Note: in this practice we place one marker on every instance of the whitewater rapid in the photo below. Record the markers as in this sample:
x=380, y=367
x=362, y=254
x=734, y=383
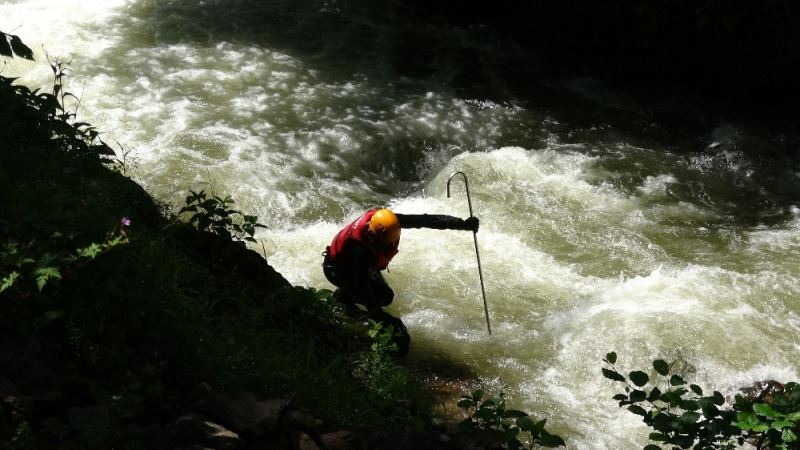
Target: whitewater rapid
x=589, y=242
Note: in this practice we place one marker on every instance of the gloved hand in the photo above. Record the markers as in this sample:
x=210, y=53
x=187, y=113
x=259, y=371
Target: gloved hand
x=472, y=224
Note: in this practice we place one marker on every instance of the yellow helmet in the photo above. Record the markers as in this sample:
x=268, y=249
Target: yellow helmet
x=385, y=225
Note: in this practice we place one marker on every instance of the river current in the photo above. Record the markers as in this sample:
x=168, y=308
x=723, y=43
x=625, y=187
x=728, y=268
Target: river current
x=592, y=239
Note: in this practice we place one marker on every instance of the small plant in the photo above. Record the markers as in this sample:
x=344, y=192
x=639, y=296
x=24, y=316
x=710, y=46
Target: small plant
x=214, y=214
x=379, y=367
x=506, y=425
x=682, y=417
x=79, y=138
x=772, y=425
x=21, y=263
x=383, y=337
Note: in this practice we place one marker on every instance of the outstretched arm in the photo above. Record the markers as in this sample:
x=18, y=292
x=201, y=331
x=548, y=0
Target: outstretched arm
x=438, y=222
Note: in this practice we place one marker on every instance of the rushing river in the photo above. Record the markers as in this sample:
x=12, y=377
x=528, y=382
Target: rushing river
x=591, y=239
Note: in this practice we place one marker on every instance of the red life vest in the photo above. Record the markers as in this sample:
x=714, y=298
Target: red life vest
x=357, y=231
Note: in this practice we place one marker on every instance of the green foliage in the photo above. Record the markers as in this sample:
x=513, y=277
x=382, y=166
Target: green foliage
x=506, y=425
x=380, y=370
x=215, y=214
x=682, y=417
x=23, y=438
x=50, y=113
x=383, y=337
x=775, y=424
x=24, y=265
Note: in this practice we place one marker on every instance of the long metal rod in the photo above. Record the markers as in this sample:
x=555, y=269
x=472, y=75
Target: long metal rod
x=475, y=239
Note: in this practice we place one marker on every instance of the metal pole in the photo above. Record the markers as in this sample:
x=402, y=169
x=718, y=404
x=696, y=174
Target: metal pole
x=475, y=239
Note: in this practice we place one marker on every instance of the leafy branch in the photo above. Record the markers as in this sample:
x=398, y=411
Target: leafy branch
x=683, y=417
x=215, y=214
x=507, y=425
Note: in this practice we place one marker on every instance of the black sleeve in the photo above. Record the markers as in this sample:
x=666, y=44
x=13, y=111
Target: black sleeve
x=435, y=221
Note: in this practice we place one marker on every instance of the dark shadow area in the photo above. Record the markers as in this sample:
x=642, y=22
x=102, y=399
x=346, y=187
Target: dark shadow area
x=538, y=56
x=744, y=51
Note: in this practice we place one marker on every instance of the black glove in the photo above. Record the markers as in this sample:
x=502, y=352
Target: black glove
x=472, y=224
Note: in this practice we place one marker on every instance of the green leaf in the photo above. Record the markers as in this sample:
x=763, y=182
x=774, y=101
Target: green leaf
x=691, y=405
x=90, y=252
x=21, y=49
x=661, y=367
x=651, y=447
x=5, y=49
x=613, y=375
x=514, y=413
x=52, y=315
x=638, y=410
x=510, y=433
x=463, y=403
x=689, y=418
x=538, y=427
x=484, y=413
x=780, y=424
x=719, y=399
x=655, y=394
x=639, y=378
x=658, y=437
x=9, y=280
x=477, y=395
x=710, y=410
x=637, y=396
x=680, y=392
x=676, y=381
x=43, y=274
x=551, y=440
x=746, y=420
x=611, y=357
x=620, y=397
x=696, y=389
x=788, y=435
x=526, y=423
x=765, y=410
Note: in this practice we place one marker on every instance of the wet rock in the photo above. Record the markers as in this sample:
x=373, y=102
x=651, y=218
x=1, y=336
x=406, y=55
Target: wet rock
x=762, y=390
x=199, y=430
x=297, y=418
x=306, y=442
x=338, y=440
x=244, y=413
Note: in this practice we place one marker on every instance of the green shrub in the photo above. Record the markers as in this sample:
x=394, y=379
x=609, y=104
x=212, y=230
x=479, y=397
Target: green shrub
x=514, y=429
x=215, y=214
x=683, y=417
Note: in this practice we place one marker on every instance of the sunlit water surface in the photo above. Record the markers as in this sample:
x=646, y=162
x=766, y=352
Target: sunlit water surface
x=589, y=244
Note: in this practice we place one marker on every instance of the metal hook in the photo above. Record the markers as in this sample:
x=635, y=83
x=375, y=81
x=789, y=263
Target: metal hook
x=475, y=239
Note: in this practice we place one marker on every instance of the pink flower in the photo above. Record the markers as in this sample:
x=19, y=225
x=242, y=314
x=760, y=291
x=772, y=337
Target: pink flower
x=125, y=222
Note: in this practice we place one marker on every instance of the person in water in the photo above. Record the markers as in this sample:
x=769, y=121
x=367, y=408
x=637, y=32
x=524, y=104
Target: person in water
x=361, y=250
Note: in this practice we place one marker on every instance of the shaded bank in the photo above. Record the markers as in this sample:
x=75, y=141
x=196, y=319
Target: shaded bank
x=745, y=52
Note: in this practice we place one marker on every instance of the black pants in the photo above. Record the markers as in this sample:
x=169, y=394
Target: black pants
x=373, y=293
